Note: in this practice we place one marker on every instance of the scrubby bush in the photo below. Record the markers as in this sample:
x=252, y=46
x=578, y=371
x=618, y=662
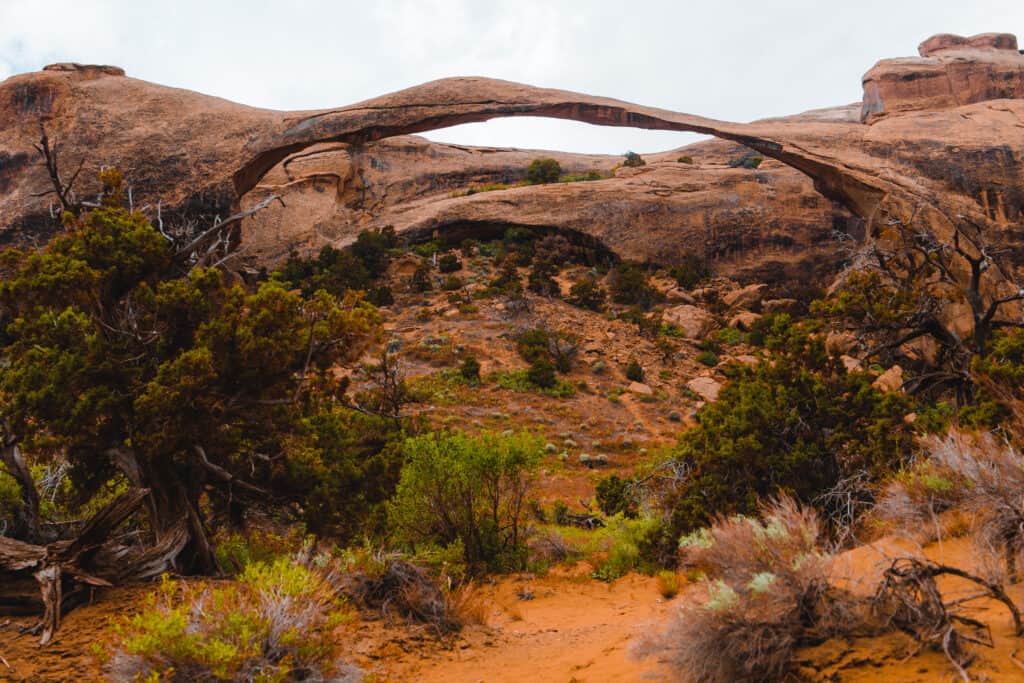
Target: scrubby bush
x=708, y=358
x=768, y=594
x=977, y=474
x=393, y=586
x=472, y=490
x=449, y=263
x=421, y=280
x=587, y=294
x=797, y=422
x=685, y=159
x=558, y=348
x=452, y=283
x=541, y=373
x=470, y=369
x=634, y=371
x=628, y=283
x=749, y=161
x=616, y=496
x=279, y=622
x=542, y=171
x=633, y=160
x=690, y=271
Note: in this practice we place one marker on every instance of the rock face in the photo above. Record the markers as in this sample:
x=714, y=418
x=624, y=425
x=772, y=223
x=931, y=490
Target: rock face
x=944, y=138
x=952, y=71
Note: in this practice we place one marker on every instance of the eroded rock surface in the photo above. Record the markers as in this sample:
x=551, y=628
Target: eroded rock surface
x=825, y=178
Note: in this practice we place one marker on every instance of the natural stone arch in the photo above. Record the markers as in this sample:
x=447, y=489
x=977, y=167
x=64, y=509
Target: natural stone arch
x=453, y=101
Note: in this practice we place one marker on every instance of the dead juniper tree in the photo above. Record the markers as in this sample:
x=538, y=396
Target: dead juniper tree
x=909, y=599
x=900, y=287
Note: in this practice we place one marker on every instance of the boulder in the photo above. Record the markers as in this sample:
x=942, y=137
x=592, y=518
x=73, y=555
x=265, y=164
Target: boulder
x=744, y=320
x=851, y=364
x=840, y=343
x=640, y=388
x=705, y=387
x=695, y=322
x=745, y=297
x=890, y=380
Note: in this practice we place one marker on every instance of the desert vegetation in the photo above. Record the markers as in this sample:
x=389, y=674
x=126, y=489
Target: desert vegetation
x=299, y=449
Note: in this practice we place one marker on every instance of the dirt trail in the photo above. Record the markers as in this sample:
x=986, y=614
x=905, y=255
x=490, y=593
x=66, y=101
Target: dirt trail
x=573, y=629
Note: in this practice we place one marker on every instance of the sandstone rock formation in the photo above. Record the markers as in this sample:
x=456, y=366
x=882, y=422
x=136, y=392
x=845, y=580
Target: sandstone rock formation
x=828, y=175
x=952, y=71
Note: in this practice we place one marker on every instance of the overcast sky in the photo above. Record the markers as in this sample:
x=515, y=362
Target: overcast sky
x=731, y=59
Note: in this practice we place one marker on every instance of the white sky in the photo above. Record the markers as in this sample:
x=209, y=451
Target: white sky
x=730, y=59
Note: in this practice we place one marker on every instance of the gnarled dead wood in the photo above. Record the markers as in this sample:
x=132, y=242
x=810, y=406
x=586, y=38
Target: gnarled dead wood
x=63, y=571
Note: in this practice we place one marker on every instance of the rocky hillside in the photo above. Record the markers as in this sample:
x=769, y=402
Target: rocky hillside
x=941, y=134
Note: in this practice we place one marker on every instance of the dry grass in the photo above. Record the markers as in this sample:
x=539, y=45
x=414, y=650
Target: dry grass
x=395, y=587
x=668, y=584
x=978, y=477
x=767, y=594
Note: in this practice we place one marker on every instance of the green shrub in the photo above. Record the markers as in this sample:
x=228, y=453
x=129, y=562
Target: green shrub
x=421, y=281
x=749, y=161
x=629, y=285
x=541, y=373
x=470, y=369
x=279, y=622
x=690, y=271
x=616, y=496
x=708, y=358
x=685, y=159
x=542, y=171
x=449, y=263
x=633, y=160
x=634, y=371
x=587, y=294
x=795, y=422
x=468, y=489
x=452, y=283
x=620, y=540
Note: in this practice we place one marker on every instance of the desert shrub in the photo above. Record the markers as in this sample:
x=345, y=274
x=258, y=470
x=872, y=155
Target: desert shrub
x=507, y=280
x=449, y=263
x=237, y=550
x=119, y=346
x=559, y=348
x=690, y=271
x=470, y=369
x=279, y=622
x=976, y=474
x=668, y=583
x=581, y=177
x=616, y=496
x=587, y=294
x=519, y=380
x=632, y=160
x=421, y=280
x=768, y=594
x=380, y=296
x=468, y=489
x=542, y=171
x=394, y=587
x=541, y=373
x=749, y=161
x=628, y=284
x=541, y=279
x=634, y=371
x=708, y=358
x=796, y=422
x=685, y=159
x=617, y=547
x=452, y=283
